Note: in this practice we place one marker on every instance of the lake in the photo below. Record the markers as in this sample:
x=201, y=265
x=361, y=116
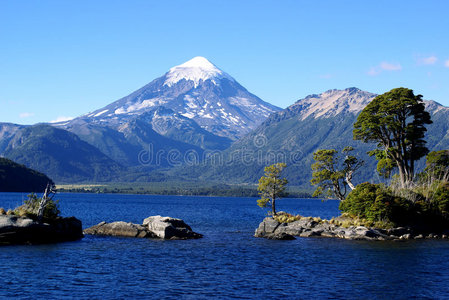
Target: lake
x=227, y=263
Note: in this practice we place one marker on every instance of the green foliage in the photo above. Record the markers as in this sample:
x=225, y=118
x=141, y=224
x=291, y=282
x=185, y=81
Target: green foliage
x=31, y=207
x=396, y=121
x=385, y=165
x=332, y=173
x=283, y=217
x=437, y=164
x=441, y=200
x=271, y=186
x=374, y=203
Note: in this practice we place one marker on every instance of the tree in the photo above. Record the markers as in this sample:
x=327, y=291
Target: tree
x=271, y=186
x=437, y=164
x=396, y=121
x=332, y=173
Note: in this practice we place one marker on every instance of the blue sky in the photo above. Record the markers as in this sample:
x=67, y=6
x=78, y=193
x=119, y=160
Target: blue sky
x=65, y=58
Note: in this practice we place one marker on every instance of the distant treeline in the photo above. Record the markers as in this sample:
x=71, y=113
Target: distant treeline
x=220, y=190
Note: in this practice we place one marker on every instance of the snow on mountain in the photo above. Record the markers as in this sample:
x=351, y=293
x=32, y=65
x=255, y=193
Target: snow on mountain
x=197, y=69
x=198, y=90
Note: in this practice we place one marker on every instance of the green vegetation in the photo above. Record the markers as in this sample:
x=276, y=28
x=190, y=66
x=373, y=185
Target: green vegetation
x=31, y=206
x=193, y=188
x=375, y=204
x=283, y=217
x=271, y=186
x=332, y=173
x=60, y=154
x=396, y=121
x=18, y=178
x=30, y=209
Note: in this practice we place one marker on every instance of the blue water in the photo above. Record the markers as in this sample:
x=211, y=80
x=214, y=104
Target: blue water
x=227, y=263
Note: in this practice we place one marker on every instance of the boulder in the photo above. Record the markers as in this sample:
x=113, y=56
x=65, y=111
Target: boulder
x=169, y=228
x=152, y=227
x=267, y=226
x=280, y=236
x=24, y=230
x=119, y=229
x=315, y=227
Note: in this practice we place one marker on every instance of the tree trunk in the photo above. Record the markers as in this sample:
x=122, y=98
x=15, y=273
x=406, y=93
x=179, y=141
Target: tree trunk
x=348, y=179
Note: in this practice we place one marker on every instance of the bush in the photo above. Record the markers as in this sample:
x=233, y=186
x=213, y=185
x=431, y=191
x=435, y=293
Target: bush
x=283, y=217
x=31, y=207
x=373, y=202
x=441, y=200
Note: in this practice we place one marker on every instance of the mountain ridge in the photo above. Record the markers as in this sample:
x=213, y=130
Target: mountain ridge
x=292, y=135
x=203, y=93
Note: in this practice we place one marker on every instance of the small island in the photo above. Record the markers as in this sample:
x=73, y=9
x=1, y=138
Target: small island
x=411, y=206
x=38, y=221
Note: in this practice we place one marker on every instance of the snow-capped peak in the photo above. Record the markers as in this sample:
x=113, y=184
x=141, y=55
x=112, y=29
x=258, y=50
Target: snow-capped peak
x=197, y=69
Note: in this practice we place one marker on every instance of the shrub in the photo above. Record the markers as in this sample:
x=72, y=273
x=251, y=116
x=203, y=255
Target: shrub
x=374, y=203
x=283, y=217
x=31, y=207
x=441, y=200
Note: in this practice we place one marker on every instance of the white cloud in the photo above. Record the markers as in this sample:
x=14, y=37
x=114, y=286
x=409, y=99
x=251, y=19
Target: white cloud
x=374, y=71
x=384, y=66
x=390, y=67
x=25, y=115
x=430, y=60
x=446, y=63
x=61, y=119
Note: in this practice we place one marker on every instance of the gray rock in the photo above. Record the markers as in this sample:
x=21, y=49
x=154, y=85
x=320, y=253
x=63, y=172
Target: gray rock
x=119, y=229
x=307, y=227
x=153, y=227
x=279, y=236
x=169, y=228
x=267, y=226
x=399, y=231
x=24, y=230
x=309, y=234
x=406, y=236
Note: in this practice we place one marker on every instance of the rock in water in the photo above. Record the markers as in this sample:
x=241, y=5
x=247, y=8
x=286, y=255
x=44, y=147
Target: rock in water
x=22, y=230
x=153, y=227
x=170, y=228
x=119, y=229
x=310, y=227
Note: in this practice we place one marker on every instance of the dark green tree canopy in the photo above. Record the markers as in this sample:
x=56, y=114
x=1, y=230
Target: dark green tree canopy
x=437, y=164
x=396, y=121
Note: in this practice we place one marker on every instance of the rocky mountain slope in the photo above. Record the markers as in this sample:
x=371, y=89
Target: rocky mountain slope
x=323, y=121
x=60, y=154
x=196, y=90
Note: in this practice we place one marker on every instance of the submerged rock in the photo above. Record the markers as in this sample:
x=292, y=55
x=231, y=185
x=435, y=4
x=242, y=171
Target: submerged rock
x=152, y=227
x=23, y=230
